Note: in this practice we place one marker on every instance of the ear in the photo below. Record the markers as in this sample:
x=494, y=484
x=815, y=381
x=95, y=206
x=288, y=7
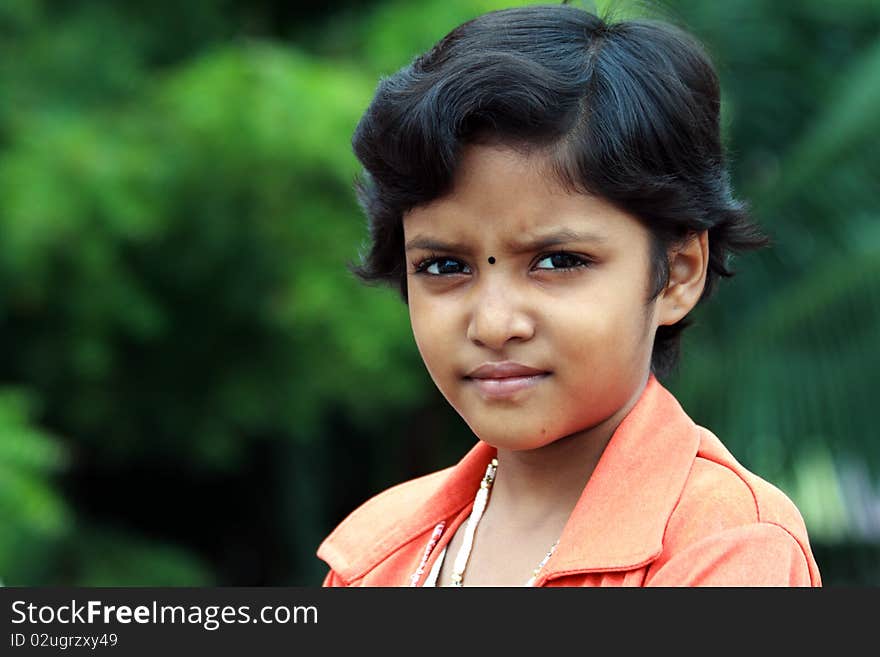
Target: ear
x=687, y=278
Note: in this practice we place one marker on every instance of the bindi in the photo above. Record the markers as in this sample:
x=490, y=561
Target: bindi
x=491, y=260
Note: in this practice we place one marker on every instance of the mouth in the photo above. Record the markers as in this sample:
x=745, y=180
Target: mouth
x=506, y=387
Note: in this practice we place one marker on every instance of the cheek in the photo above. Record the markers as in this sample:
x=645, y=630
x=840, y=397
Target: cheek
x=432, y=331
x=596, y=333
x=580, y=329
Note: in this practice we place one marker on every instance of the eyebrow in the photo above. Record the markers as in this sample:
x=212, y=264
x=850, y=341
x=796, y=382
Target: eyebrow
x=554, y=238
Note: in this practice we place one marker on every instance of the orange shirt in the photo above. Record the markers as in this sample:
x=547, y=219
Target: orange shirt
x=667, y=505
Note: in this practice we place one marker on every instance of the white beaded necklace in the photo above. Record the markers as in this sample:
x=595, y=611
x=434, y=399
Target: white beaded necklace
x=464, y=552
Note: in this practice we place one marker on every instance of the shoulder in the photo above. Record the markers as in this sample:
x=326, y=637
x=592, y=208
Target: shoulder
x=728, y=513
x=401, y=517
x=720, y=492
x=383, y=522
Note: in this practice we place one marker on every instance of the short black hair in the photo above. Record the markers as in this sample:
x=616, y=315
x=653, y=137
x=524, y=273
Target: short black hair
x=628, y=111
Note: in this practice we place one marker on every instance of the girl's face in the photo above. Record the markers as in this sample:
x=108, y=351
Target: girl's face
x=566, y=297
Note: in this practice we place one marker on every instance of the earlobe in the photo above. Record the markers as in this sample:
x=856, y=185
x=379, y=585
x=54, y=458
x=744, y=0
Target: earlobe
x=687, y=278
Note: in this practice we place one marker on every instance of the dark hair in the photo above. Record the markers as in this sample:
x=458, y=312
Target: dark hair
x=628, y=111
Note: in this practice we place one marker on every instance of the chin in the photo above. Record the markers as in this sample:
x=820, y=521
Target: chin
x=515, y=446
x=518, y=440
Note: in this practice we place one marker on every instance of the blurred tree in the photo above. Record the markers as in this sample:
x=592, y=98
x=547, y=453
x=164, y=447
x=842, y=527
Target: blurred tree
x=784, y=375
x=32, y=513
x=169, y=268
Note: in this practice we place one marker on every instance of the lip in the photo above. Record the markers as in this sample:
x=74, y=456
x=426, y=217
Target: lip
x=504, y=379
x=502, y=388
x=503, y=370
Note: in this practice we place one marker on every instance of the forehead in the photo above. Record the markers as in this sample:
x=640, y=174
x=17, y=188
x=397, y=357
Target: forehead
x=503, y=194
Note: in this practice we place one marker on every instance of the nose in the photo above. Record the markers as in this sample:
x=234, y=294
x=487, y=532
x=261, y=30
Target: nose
x=498, y=317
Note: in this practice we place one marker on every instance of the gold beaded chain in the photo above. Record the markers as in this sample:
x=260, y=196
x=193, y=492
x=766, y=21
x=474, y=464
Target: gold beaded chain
x=464, y=552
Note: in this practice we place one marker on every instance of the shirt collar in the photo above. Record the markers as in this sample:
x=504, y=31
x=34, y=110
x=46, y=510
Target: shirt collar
x=620, y=519
x=617, y=524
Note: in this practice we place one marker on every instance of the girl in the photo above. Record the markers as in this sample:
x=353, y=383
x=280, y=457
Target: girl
x=549, y=192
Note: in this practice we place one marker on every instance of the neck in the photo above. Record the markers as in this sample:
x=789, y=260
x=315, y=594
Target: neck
x=540, y=487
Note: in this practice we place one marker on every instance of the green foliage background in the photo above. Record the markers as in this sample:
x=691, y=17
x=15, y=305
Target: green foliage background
x=193, y=389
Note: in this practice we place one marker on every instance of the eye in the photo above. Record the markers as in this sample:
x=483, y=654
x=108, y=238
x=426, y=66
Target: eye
x=561, y=261
x=441, y=266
